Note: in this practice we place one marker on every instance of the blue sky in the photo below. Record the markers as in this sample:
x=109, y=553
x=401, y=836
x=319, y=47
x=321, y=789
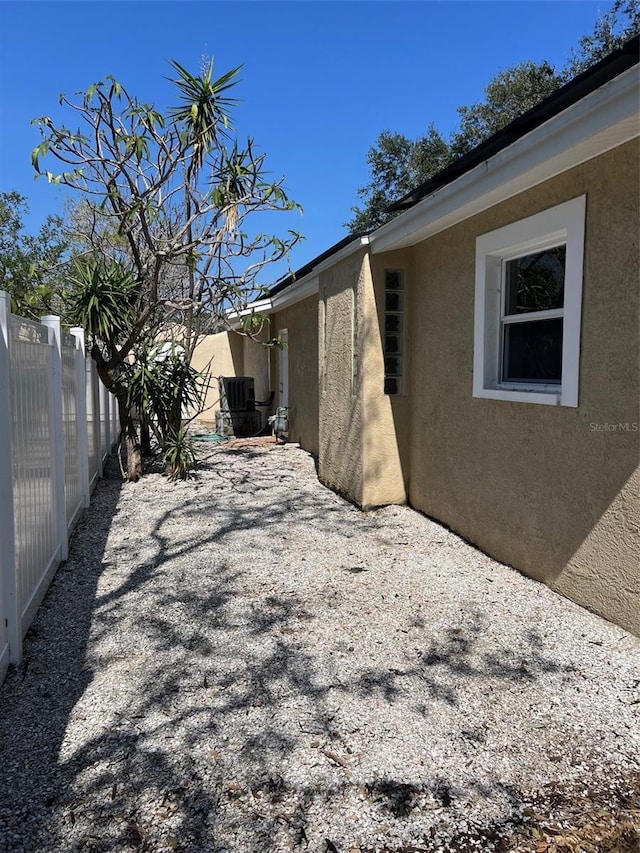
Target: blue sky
x=320, y=79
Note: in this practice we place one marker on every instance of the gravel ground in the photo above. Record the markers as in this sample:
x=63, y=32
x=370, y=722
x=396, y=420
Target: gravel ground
x=246, y=662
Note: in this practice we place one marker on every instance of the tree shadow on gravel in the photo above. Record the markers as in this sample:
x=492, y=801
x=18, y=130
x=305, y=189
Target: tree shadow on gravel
x=220, y=693
x=102, y=793
x=458, y=656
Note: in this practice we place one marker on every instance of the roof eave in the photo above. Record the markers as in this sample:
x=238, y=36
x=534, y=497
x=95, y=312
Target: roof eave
x=593, y=78
x=606, y=118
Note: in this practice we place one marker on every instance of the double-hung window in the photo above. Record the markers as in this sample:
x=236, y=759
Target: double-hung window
x=528, y=306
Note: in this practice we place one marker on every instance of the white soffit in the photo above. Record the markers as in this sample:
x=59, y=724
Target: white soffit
x=603, y=120
x=235, y=318
x=310, y=283
x=296, y=292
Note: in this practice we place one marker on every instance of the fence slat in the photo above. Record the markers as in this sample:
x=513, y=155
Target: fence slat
x=58, y=424
x=97, y=418
x=57, y=434
x=10, y=628
x=82, y=415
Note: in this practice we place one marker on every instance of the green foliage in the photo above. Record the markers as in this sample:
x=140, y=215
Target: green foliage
x=166, y=194
x=179, y=455
x=31, y=266
x=398, y=164
x=253, y=324
x=612, y=29
x=162, y=385
x=101, y=297
x=509, y=94
x=203, y=113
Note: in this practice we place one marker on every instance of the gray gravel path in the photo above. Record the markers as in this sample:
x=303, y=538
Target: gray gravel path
x=246, y=662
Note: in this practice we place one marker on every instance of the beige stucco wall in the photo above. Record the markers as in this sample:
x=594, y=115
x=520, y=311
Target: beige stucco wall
x=217, y=355
x=256, y=362
x=341, y=410
x=539, y=487
x=301, y=322
x=386, y=420
x=231, y=354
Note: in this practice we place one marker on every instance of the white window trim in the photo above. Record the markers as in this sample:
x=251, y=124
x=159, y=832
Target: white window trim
x=563, y=224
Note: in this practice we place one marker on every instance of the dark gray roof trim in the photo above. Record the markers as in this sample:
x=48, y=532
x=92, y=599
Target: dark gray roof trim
x=584, y=84
x=575, y=90
x=307, y=268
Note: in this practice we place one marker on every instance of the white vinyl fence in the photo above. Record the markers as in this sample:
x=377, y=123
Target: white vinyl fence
x=57, y=425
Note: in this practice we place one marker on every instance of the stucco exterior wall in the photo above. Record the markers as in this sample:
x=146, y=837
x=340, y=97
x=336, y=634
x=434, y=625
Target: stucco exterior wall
x=218, y=355
x=553, y=491
x=231, y=354
x=386, y=421
x=255, y=362
x=301, y=322
x=341, y=410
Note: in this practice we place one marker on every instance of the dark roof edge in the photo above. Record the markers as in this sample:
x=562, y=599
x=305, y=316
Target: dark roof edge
x=597, y=75
x=290, y=279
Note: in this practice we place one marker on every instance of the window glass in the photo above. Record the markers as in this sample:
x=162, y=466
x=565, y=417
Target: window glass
x=532, y=351
x=393, y=344
x=527, y=320
x=393, y=301
x=535, y=282
x=392, y=365
x=393, y=323
x=393, y=280
x=392, y=385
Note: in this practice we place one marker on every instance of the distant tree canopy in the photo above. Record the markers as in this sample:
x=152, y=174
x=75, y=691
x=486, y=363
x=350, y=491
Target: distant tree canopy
x=509, y=94
x=611, y=30
x=397, y=164
x=31, y=265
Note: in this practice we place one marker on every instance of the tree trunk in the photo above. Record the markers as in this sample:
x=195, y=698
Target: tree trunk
x=127, y=423
x=145, y=437
x=131, y=442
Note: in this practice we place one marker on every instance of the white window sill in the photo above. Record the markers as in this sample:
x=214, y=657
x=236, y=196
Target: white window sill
x=545, y=398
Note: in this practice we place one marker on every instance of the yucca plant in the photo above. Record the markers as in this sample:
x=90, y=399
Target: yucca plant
x=203, y=113
x=101, y=298
x=179, y=456
x=162, y=386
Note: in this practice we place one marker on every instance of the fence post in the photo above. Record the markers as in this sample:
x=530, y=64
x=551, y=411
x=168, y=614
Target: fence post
x=115, y=432
x=81, y=414
x=107, y=421
x=8, y=576
x=96, y=396
x=57, y=434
